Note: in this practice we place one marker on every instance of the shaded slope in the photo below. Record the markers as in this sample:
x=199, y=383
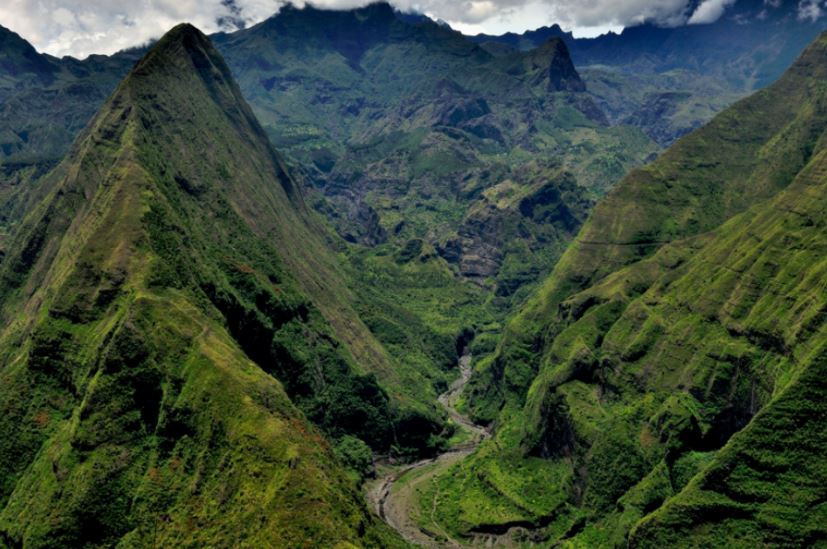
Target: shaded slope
x=148, y=302
x=675, y=360
x=19, y=59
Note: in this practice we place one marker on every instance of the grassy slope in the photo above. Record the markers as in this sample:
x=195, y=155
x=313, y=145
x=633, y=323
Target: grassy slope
x=147, y=303
x=745, y=155
x=662, y=332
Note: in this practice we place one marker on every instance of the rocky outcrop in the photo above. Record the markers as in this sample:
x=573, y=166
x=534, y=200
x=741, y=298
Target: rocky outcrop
x=562, y=76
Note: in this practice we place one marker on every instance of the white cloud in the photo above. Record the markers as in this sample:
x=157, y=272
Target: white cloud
x=810, y=10
x=592, y=13
x=709, y=11
x=81, y=27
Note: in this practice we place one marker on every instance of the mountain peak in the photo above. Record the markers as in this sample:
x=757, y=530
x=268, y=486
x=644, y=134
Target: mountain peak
x=183, y=77
x=562, y=74
x=183, y=42
x=812, y=63
x=373, y=11
x=169, y=249
x=17, y=57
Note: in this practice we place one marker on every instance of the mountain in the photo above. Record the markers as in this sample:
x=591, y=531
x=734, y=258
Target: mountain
x=170, y=323
x=404, y=124
x=450, y=172
x=32, y=84
x=447, y=170
x=664, y=387
x=44, y=104
x=670, y=80
x=18, y=58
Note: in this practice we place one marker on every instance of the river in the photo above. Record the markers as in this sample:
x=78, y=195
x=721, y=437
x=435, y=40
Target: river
x=394, y=501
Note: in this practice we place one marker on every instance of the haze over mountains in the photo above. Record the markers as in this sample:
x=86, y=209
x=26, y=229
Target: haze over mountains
x=670, y=80
x=242, y=275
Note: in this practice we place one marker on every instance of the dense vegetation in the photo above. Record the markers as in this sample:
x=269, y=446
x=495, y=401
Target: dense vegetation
x=157, y=324
x=451, y=171
x=204, y=342
x=652, y=385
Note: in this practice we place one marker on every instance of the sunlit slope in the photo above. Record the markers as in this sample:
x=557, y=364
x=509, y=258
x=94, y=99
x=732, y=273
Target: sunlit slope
x=743, y=156
x=156, y=305
x=666, y=387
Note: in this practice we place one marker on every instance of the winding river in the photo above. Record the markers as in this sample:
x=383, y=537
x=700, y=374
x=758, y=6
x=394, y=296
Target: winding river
x=394, y=500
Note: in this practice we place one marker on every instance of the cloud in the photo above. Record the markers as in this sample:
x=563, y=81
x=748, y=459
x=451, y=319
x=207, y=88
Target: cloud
x=82, y=27
x=709, y=11
x=592, y=13
x=810, y=10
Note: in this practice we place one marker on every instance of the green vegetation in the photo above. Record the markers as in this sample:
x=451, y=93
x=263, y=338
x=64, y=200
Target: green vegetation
x=664, y=380
x=406, y=133
x=192, y=357
x=406, y=128
x=150, y=302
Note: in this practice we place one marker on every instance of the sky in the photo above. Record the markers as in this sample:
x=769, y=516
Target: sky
x=83, y=27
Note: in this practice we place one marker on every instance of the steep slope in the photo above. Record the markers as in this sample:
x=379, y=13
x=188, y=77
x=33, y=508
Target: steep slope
x=44, y=104
x=665, y=387
x=19, y=59
x=158, y=306
x=745, y=155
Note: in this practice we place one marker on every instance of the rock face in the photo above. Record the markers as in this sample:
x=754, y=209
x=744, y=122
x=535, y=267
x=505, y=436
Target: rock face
x=546, y=208
x=562, y=76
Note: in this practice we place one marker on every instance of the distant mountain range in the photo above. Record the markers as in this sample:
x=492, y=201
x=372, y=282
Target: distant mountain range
x=668, y=81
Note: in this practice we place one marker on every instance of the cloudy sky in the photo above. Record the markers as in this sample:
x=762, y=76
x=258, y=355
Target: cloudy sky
x=81, y=27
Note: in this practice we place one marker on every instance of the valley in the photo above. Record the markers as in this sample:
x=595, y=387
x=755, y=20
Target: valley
x=351, y=278
x=394, y=493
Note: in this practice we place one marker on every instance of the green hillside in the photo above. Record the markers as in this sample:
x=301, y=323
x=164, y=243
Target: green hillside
x=456, y=178
x=663, y=387
x=210, y=341
x=159, y=313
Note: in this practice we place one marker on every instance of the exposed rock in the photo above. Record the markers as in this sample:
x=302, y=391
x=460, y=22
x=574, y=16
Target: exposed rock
x=362, y=225
x=562, y=76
